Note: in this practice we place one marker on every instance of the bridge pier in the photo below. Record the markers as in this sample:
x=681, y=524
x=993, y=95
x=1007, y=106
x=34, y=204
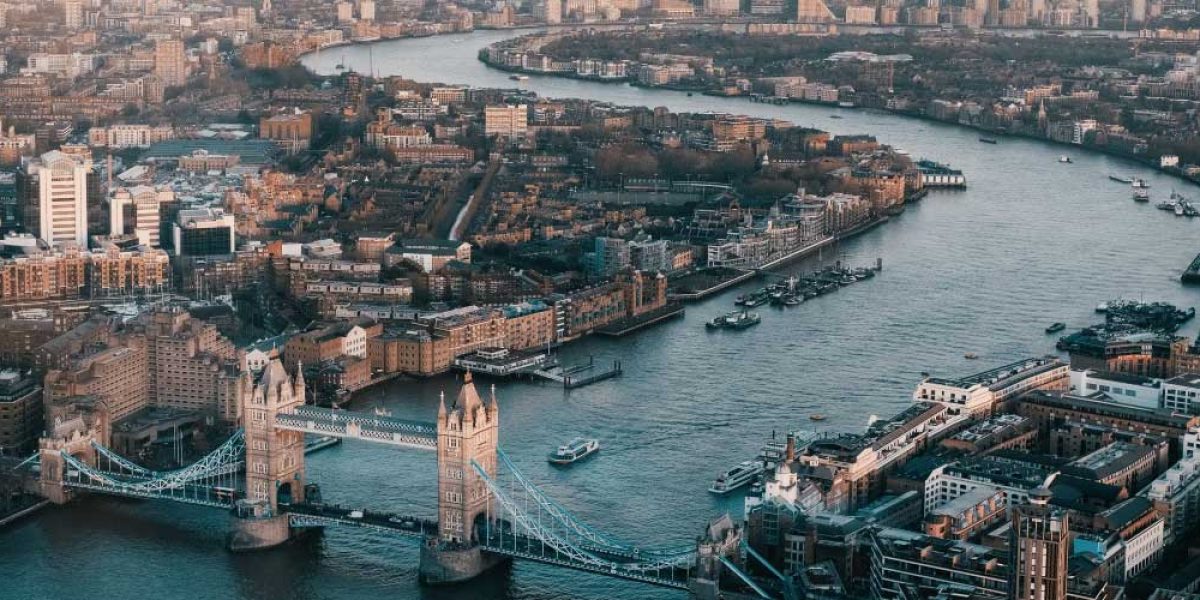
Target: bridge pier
x=254, y=528
x=441, y=565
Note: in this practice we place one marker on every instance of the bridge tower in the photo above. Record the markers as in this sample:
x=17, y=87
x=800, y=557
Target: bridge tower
x=274, y=460
x=73, y=440
x=468, y=432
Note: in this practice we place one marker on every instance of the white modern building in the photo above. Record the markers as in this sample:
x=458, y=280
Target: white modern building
x=1179, y=394
x=62, y=197
x=1121, y=388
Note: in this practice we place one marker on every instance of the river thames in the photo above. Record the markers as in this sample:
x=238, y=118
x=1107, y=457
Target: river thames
x=983, y=270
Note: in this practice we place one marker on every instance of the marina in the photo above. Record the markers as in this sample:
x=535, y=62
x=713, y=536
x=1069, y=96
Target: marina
x=793, y=290
x=580, y=375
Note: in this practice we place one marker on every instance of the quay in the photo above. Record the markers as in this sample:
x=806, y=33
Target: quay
x=1191, y=275
x=629, y=325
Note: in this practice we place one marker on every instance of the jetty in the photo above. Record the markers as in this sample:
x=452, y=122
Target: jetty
x=577, y=376
x=629, y=325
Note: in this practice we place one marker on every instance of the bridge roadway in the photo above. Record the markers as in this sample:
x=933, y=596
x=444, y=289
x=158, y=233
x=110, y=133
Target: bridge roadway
x=369, y=428
x=325, y=515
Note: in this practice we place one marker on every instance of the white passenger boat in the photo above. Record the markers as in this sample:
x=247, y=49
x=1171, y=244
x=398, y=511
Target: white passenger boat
x=574, y=450
x=736, y=477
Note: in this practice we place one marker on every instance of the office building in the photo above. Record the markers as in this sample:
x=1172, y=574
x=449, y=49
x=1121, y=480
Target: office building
x=20, y=412
x=136, y=211
x=203, y=232
x=62, y=197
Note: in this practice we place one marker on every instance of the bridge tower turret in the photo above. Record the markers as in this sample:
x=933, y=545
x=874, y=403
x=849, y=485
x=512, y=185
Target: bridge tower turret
x=274, y=459
x=468, y=432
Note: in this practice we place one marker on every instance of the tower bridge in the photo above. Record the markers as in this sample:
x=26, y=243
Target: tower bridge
x=488, y=511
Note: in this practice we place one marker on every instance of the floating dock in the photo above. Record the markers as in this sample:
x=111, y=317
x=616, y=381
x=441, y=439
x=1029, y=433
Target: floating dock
x=577, y=376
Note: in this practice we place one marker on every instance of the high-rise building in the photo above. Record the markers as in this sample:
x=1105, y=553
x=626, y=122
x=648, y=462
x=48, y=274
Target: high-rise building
x=136, y=211
x=1040, y=545
x=506, y=121
x=170, y=64
x=73, y=14
x=62, y=191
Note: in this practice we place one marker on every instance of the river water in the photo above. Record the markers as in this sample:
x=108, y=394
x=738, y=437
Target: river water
x=983, y=270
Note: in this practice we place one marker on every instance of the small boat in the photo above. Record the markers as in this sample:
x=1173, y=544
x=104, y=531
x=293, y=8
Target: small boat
x=793, y=300
x=689, y=94
x=1165, y=206
x=1141, y=195
x=1065, y=159
x=970, y=356
x=519, y=77
x=744, y=473
x=1140, y=184
x=1056, y=327
x=1180, y=210
x=574, y=450
x=1102, y=307
x=1121, y=178
x=988, y=140
x=835, y=116
x=816, y=417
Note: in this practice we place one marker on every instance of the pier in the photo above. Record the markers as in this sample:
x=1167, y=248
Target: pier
x=577, y=376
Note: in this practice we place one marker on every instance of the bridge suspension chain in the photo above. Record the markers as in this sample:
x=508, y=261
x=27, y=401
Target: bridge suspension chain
x=560, y=541
x=598, y=539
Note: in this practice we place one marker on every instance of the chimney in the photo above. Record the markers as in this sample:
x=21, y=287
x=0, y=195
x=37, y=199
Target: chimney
x=790, y=453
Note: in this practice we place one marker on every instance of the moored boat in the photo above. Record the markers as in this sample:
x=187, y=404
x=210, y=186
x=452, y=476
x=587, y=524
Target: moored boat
x=574, y=450
x=1140, y=184
x=1141, y=195
x=1065, y=159
x=1121, y=178
x=988, y=140
x=1056, y=327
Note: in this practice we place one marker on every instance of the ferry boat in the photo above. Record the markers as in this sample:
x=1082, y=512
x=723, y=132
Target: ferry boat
x=1141, y=195
x=574, y=450
x=736, y=477
x=1056, y=327
x=1140, y=184
x=1121, y=178
x=988, y=140
x=1065, y=159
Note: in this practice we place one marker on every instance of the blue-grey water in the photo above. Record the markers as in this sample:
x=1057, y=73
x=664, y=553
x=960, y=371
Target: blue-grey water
x=984, y=270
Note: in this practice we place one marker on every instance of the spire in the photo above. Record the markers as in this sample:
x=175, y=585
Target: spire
x=790, y=453
x=442, y=404
x=298, y=381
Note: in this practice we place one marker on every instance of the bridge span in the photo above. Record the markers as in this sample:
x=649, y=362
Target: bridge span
x=488, y=511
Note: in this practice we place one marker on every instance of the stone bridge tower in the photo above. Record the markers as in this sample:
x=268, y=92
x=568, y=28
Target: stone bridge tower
x=274, y=460
x=468, y=431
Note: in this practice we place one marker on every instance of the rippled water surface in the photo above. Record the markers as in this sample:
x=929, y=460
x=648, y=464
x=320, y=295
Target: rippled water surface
x=983, y=270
